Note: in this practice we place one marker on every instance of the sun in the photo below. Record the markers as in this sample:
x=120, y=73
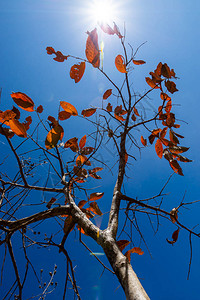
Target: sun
x=103, y=11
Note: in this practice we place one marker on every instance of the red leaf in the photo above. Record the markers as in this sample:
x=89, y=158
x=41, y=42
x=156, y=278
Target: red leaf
x=50, y=50
x=64, y=115
x=77, y=71
x=107, y=94
x=120, y=64
x=23, y=101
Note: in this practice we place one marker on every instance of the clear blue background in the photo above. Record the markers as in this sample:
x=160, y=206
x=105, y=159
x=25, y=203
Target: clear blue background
x=171, y=29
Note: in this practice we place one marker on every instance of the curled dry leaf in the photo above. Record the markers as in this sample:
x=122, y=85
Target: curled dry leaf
x=133, y=250
x=107, y=94
x=120, y=64
x=69, y=108
x=95, y=196
x=174, y=215
x=174, y=237
x=23, y=101
x=95, y=208
x=88, y=112
x=136, y=111
x=171, y=86
x=77, y=71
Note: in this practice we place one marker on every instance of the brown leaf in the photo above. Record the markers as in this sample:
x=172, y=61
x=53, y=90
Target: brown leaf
x=120, y=64
x=139, y=62
x=39, y=109
x=6, y=131
x=122, y=244
x=171, y=86
x=109, y=107
x=159, y=148
x=175, y=167
x=82, y=203
x=165, y=71
x=133, y=117
x=95, y=209
x=77, y=71
x=87, y=150
x=81, y=159
x=92, y=48
x=68, y=225
x=64, y=115
x=174, y=237
x=164, y=96
x=136, y=111
x=88, y=112
x=69, y=108
x=50, y=50
x=72, y=144
x=107, y=94
x=95, y=196
x=168, y=106
x=173, y=138
x=178, y=149
x=23, y=101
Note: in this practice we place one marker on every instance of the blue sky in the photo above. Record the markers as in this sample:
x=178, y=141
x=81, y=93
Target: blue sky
x=171, y=29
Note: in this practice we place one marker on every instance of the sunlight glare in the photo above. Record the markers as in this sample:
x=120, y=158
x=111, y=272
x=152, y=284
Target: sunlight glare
x=103, y=11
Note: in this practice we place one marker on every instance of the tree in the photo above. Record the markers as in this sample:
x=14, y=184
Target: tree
x=71, y=202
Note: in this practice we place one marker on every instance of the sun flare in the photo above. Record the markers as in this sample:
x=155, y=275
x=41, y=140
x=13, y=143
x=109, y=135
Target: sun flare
x=103, y=11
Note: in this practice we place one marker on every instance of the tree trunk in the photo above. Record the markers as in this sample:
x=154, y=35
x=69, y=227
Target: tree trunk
x=123, y=270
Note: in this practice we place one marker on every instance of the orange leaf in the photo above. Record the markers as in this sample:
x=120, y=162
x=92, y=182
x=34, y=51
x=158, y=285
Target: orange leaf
x=151, y=83
x=164, y=96
x=136, y=111
x=72, y=144
x=120, y=64
x=139, y=62
x=7, y=115
x=173, y=138
x=50, y=50
x=39, y=109
x=77, y=71
x=23, y=101
x=54, y=135
x=159, y=148
x=92, y=48
x=163, y=132
x=122, y=244
x=82, y=142
x=109, y=107
x=69, y=108
x=28, y=122
x=88, y=112
x=168, y=106
x=95, y=196
x=178, y=149
x=64, y=115
x=133, y=250
x=81, y=159
x=18, y=128
x=107, y=94
x=82, y=203
x=143, y=141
